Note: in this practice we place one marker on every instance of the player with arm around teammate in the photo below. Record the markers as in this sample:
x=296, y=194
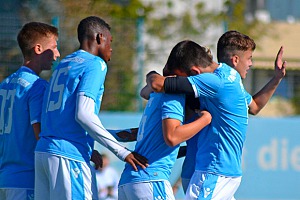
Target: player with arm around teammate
x=70, y=122
x=21, y=96
x=160, y=133
x=218, y=159
x=233, y=51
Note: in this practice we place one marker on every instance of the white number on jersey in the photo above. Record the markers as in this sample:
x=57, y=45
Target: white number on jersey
x=142, y=128
x=56, y=87
x=7, y=100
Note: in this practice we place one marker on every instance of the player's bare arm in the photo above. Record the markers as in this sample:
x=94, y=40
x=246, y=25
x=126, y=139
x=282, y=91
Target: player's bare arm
x=175, y=133
x=36, y=129
x=261, y=98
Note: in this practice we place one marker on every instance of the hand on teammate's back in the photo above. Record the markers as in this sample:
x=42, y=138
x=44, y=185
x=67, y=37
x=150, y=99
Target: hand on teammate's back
x=136, y=159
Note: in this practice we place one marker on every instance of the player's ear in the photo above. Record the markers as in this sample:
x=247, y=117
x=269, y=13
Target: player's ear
x=98, y=38
x=38, y=49
x=235, y=60
x=195, y=70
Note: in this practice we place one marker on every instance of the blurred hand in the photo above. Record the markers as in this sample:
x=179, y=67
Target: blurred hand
x=96, y=158
x=145, y=92
x=279, y=64
x=135, y=159
x=128, y=136
x=156, y=81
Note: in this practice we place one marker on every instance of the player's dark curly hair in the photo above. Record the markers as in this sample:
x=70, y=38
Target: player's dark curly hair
x=186, y=54
x=89, y=26
x=231, y=42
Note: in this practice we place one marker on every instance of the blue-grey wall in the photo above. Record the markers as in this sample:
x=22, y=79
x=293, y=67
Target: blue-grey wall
x=271, y=159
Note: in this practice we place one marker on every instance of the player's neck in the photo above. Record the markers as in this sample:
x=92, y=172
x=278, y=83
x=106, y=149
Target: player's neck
x=31, y=65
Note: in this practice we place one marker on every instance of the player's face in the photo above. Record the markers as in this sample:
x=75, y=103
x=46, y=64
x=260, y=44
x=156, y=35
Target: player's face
x=50, y=52
x=105, y=49
x=244, y=63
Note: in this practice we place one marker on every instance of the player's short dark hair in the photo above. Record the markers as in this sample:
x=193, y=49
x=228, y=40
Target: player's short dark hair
x=33, y=32
x=186, y=54
x=89, y=26
x=231, y=42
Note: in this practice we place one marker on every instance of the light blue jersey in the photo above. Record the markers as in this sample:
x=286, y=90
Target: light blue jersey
x=61, y=134
x=150, y=140
x=188, y=165
x=21, y=96
x=220, y=143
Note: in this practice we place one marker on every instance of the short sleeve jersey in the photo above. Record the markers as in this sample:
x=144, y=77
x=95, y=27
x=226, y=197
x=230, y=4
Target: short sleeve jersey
x=79, y=72
x=220, y=143
x=21, y=96
x=150, y=140
x=188, y=165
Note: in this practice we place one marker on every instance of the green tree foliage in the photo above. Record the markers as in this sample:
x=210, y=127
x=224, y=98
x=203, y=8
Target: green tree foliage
x=234, y=18
x=120, y=88
x=121, y=82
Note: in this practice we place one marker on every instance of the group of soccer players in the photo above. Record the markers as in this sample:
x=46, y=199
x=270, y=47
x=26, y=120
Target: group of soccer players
x=212, y=167
x=47, y=130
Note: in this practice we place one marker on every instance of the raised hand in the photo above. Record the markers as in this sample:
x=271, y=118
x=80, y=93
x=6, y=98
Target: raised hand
x=280, y=64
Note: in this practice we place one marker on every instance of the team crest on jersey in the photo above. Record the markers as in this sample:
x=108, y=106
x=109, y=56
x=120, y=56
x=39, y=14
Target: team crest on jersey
x=232, y=75
x=24, y=83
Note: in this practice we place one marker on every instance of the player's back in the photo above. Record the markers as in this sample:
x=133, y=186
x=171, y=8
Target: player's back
x=220, y=144
x=150, y=140
x=59, y=126
x=20, y=99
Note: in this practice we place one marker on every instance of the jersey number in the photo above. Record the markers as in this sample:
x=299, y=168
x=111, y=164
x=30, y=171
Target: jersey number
x=7, y=101
x=142, y=128
x=56, y=87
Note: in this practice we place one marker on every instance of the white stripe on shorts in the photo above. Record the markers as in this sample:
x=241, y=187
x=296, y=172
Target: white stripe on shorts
x=61, y=178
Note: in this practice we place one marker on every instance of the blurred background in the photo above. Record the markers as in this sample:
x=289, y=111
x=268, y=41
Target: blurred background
x=144, y=32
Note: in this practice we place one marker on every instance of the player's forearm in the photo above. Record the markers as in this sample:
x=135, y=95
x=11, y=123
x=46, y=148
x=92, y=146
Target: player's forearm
x=263, y=96
x=91, y=123
x=178, y=85
x=36, y=129
x=184, y=132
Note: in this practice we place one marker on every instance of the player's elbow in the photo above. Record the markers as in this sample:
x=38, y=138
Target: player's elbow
x=171, y=141
x=253, y=110
x=80, y=116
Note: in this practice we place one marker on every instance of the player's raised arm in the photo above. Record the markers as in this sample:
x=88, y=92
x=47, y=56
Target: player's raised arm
x=261, y=98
